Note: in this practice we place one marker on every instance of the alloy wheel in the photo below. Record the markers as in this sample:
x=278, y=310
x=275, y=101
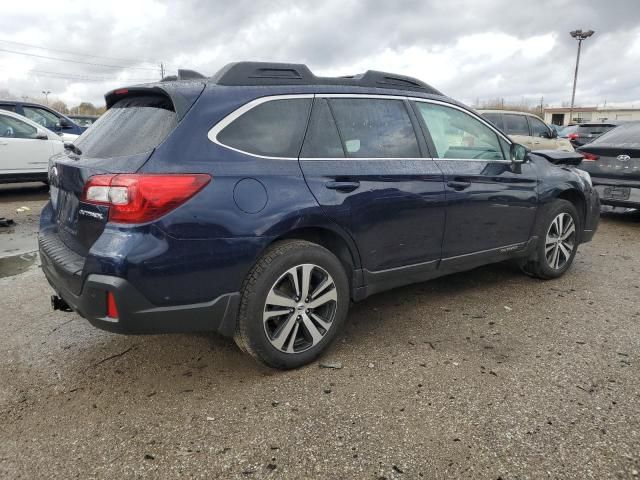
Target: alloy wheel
x=560, y=241
x=300, y=308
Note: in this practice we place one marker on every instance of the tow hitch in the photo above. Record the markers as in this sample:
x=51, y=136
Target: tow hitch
x=58, y=303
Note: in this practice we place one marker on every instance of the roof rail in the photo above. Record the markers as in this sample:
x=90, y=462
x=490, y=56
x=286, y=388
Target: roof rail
x=267, y=73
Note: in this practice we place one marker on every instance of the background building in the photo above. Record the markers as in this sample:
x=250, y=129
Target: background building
x=560, y=115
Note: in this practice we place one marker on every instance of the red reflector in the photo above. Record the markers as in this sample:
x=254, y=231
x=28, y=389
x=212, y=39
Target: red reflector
x=573, y=136
x=590, y=157
x=139, y=198
x=121, y=91
x=112, y=309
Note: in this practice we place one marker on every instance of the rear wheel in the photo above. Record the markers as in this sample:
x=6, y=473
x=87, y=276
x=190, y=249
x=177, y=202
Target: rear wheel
x=293, y=303
x=558, y=236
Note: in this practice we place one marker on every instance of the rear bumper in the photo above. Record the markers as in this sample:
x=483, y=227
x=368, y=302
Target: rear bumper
x=136, y=313
x=632, y=201
x=592, y=215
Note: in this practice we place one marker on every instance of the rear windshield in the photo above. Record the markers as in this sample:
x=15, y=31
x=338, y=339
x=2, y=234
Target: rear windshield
x=594, y=129
x=133, y=125
x=627, y=134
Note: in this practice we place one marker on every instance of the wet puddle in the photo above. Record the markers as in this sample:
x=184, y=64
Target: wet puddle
x=17, y=264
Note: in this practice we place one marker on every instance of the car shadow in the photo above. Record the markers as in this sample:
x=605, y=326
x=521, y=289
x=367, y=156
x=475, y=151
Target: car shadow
x=29, y=191
x=620, y=215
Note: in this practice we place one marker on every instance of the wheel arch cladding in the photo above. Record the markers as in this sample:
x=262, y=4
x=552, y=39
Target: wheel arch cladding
x=333, y=242
x=577, y=199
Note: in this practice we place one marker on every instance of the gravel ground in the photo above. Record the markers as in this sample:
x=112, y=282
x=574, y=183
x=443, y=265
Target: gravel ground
x=486, y=374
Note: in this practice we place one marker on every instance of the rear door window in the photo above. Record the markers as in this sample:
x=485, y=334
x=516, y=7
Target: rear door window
x=131, y=126
x=322, y=139
x=375, y=128
x=515, y=124
x=272, y=129
x=11, y=108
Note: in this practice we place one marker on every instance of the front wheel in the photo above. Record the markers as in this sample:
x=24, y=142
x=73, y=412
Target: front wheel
x=558, y=237
x=293, y=303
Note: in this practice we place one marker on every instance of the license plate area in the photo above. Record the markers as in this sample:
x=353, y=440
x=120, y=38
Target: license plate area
x=616, y=193
x=67, y=214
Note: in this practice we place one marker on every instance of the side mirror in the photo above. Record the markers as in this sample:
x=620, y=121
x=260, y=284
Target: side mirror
x=64, y=123
x=517, y=153
x=41, y=135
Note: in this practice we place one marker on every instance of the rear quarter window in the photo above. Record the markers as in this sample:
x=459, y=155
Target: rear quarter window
x=375, y=128
x=131, y=126
x=271, y=129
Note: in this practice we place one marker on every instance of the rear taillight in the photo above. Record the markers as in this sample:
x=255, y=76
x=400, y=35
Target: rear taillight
x=590, y=157
x=573, y=136
x=112, y=308
x=138, y=198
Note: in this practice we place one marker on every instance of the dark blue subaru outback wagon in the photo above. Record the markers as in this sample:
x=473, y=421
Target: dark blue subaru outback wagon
x=260, y=202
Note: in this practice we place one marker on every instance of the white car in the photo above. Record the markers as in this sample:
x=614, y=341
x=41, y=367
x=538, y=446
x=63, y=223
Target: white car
x=527, y=129
x=25, y=148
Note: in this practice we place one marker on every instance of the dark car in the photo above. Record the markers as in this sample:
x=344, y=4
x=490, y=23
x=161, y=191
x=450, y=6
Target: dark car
x=613, y=161
x=260, y=202
x=588, y=132
x=564, y=132
x=84, y=121
x=45, y=116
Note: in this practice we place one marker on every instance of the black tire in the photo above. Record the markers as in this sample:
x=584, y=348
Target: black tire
x=251, y=333
x=538, y=265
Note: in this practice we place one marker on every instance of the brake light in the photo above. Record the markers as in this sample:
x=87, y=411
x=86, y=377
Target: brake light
x=573, y=136
x=590, y=157
x=121, y=91
x=112, y=308
x=138, y=198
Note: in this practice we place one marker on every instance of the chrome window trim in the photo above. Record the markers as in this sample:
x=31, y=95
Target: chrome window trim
x=218, y=127
x=310, y=159
x=470, y=160
x=361, y=95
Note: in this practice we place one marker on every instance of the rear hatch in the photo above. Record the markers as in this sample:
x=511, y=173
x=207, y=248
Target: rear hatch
x=588, y=132
x=120, y=141
x=615, y=155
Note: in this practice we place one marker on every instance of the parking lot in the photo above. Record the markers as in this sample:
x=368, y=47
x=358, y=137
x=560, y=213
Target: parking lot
x=485, y=374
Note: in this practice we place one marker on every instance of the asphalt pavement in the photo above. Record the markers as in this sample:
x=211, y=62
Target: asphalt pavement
x=485, y=374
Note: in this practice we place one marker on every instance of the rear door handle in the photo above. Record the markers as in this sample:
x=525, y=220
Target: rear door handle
x=343, y=186
x=458, y=186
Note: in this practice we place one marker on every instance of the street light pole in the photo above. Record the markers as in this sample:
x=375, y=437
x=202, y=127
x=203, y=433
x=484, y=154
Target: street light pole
x=580, y=36
x=46, y=96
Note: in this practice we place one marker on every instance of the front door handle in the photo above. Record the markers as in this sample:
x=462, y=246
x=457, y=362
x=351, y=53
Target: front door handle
x=458, y=186
x=343, y=186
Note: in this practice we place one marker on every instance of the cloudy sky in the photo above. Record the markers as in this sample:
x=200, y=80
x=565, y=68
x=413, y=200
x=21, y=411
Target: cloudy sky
x=468, y=49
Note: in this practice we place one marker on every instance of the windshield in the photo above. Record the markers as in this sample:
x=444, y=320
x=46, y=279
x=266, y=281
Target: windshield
x=132, y=126
x=567, y=130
